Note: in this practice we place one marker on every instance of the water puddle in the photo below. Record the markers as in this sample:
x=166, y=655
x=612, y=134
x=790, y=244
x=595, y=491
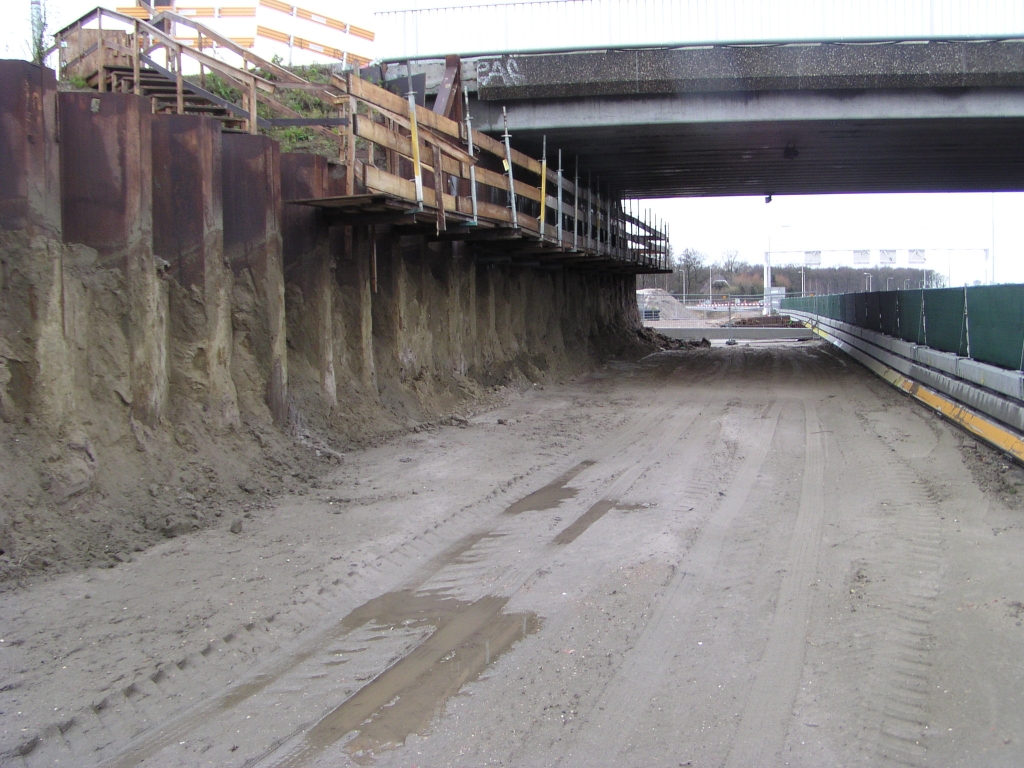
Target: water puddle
x=584, y=521
x=595, y=513
x=458, y=553
x=402, y=700
x=640, y=506
x=551, y=495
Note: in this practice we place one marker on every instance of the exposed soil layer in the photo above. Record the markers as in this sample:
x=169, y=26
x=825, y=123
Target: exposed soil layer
x=750, y=555
x=88, y=482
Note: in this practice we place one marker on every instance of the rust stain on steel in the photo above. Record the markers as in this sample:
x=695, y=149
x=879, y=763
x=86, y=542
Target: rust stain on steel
x=105, y=179
x=186, y=194
x=251, y=186
x=29, y=183
x=251, y=193
x=303, y=176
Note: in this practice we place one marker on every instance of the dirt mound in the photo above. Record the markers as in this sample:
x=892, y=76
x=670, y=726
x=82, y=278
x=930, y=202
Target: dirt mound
x=667, y=306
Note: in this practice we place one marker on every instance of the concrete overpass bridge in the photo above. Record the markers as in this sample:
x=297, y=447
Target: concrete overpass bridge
x=904, y=115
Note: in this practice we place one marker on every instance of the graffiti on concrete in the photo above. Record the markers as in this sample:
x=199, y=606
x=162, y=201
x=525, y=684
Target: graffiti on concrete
x=502, y=71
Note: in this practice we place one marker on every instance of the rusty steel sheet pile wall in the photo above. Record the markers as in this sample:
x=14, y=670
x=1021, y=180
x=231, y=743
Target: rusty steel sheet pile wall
x=188, y=234
x=172, y=282
x=308, y=264
x=106, y=172
x=252, y=247
x=32, y=378
x=29, y=165
x=172, y=326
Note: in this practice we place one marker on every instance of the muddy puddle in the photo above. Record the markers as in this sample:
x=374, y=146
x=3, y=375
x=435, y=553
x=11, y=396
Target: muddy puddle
x=403, y=699
x=551, y=495
x=592, y=515
x=598, y=510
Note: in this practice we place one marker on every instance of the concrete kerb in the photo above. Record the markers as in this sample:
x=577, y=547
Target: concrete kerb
x=989, y=416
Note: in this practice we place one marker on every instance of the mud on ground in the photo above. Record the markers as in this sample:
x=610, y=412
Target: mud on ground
x=751, y=555
x=68, y=504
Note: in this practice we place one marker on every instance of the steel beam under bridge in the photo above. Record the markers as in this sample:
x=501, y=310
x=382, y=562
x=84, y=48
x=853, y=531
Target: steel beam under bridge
x=911, y=116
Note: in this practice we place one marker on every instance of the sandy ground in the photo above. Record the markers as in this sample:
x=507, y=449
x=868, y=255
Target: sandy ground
x=746, y=556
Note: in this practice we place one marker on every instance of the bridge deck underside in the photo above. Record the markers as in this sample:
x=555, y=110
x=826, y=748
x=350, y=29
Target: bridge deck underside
x=796, y=157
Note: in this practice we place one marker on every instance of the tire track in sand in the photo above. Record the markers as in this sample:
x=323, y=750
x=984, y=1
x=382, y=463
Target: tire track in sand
x=762, y=727
x=621, y=705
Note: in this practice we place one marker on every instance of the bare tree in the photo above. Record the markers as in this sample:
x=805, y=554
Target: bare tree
x=690, y=263
x=731, y=262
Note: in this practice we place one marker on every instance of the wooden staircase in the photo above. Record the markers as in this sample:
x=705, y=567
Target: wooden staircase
x=146, y=60
x=162, y=91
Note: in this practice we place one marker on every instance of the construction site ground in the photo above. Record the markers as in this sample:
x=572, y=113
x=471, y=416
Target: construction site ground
x=758, y=555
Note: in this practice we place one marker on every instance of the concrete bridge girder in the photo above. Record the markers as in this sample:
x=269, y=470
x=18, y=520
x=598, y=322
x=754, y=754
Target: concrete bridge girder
x=782, y=142
x=771, y=118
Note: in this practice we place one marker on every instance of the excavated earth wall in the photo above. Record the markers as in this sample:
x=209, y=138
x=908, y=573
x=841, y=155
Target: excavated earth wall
x=178, y=343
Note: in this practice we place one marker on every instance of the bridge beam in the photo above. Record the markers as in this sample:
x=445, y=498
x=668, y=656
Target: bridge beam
x=767, y=118
x=794, y=142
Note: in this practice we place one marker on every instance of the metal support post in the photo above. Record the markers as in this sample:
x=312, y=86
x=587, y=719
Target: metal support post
x=136, y=53
x=508, y=167
x=415, y=135
x=558, y=212
x=608, y=234
x=543, y=186
x=254, y=120
x=179, y=85
x=590, y=209
x=472, y=168
x=576, y=207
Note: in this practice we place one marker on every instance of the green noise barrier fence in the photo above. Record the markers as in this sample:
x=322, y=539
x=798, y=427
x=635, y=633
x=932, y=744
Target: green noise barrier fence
x=984, y=323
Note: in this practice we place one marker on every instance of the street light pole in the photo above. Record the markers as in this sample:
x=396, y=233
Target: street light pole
x=868, y=276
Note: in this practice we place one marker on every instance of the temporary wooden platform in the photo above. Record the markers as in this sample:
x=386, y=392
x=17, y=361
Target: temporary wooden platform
x=493, y=241
x=407, y=165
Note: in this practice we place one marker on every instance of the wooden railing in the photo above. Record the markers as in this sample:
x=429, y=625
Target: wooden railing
x=139, y=50
x=427, y=160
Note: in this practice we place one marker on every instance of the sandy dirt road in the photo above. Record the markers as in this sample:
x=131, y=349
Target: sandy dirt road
x=748, y=556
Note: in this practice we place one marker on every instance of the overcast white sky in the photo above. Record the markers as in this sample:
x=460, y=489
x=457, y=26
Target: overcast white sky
x=960, y=223
x=935, y=222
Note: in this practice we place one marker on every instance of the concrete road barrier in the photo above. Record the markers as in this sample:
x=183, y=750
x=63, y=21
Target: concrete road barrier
x=990, y=414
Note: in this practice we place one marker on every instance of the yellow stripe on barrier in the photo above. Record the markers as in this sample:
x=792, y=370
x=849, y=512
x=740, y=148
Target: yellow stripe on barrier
x=989, y=431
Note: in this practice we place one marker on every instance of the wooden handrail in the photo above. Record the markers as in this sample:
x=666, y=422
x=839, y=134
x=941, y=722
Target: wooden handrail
x=241, y=79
